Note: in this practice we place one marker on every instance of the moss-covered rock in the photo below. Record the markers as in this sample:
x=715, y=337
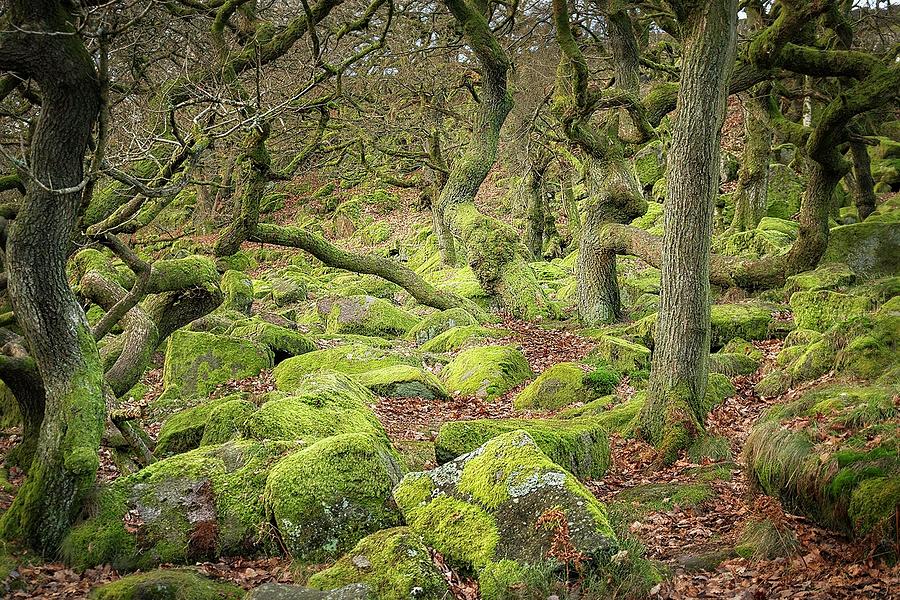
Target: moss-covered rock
x=439, y=322
x=754, y=243
x=282, y=591
x=557, y=387
x=718, y=388
x=579, y=445
x=649, y=164
x=484, y=510
x=830, y=276
x=457, y=338
x=323, y=404
x=821, y=309
x=486, y=371
x=327, y=497
x=189, y=507
x=652, y=219
x=732, y=363
x=283, y=342
x=351, y=358
x=197, y=362
x=394, y=563
x=365, y=315
x=237, y=288
x=239, y=261
x=227, y=421
x=789, y=228
x=623, y=355
x=183, y=430
x=801, y=337
x=403, y=381
x=784, y=191
x=730, y=321
x=167, y=584
x=870, y=248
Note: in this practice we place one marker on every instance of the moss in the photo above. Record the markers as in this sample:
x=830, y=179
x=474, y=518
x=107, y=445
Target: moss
x=352, y=358
x=742, y=346
x=325, y=404
x=197, y=362
x=227, y=421
x=873, y=504
x=869, y=248
x=287, y=288
x=461, y=282
x=579, y=445
x=754, y=243
x=376, y=233
x=785, y=188
x=168, y=584
x=238, y=290
x=239, y=261
x=623, y=355
x=814, y=361
x=283, y=342
x=801, y=337
x=457, y=338
x=640, y=500
x=394, y=563
x=439, y=322
x=718, y=388
x=486, y=371
x=416, y=455
x=830, y=276
x=403, y=381
x=785, y=226
x=714, y=448
x=620, y=417
x=819, y=310
x=764, y=540
x=732, y=364
x=557, y=387
x=366, y=315
x=329, y=496
x=730, y=321
x=184, y=430
x=649, y=164
x=650, y=219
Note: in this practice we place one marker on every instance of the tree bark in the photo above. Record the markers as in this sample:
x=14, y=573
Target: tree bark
x=675, y=412
x=40, y=43
x=751, y=197
x=863, y=183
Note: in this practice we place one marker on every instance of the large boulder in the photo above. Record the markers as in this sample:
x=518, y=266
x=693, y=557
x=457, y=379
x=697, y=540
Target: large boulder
x=403, y=381
x=351, y=358
x=557, y=387
x=183, y=430
x=730, y=321
x=830, y=276
x=821, y=309
x=196, y=362
x=624, y=355
x=497, y=509
x=459, y=337
x=439, y=322
x=871, y=249
x=486, y=371
x=167, y=584
x=283, y=342
x=365, y=315
x=579, y=445
x=394, y=563
x=237, y=288
x=327, y=497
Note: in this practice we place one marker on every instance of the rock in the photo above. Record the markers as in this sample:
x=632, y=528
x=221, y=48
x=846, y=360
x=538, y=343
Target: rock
x=283, y=342
x=352, y=358
x=623, y=355
x=486, y=371
x=732, y=363
x=439, y=322
x=789, y=228
x=394, y=563
x=821, y=309
x=754, y=243
x=649, y=164
x=785, y=189
x=557, y=387
x=403, y=381
x=325, y=404
x=227, y=421
x=239, y=261
x=457, y=338
x=288, y=288
x=327, y=497
x=183, y=430
x=197, y=362
x=238, y=290
x=192, y=506
x=579, y=445
x=871, y=249
x=493, y=511
x=718, y=388
x=729, y=321
x=365, y=315
x=801, y=337
x=167, y=584
x=831, y=276
x=281, y=591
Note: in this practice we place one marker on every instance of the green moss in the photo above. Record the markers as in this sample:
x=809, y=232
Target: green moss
x=227, y=421
x=869, y=248
x=754, y=243
x=742, y=346
x=197, y=362
x=394, y=563
x=732, y=364
x=764, y=540
x=830, y=276
x=168, y=584
x=819, y=310
x=283, y=342
x=288, y=287
x=579, y=445
x=649, y=164
x=714, y=448
x=402, y=381
x=640, y=500
x=486, y=371
x=800, y=337
x=623, y=355
x=239, y=261
x=367, y=315
x=785, y=226
x=619, y=417
x=457, y=338
x=439, y=322
x=238, y=290
x=329, y=496
x=557, y=387
x=873, y=504
x=652, y=218
x=376, y=233
x=325, y=404
x=785, y=188
x=730, y=321
x=352, y=358
x=184, y=430
x=718, y=388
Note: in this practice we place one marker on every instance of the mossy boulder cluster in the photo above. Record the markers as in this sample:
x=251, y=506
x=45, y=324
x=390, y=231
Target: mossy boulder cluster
x=486, y=371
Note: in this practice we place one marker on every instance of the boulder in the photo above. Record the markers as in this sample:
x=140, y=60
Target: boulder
x=403, y=381
x=623, y=355
x=327, y=497
x=394, y=563
x=167, y=584
x=486, y=371
x=227, y=421
x=439, y=322
x=196, y=362
x=870, y=248
x=282, y=591
x=650, y=164
x=496, y=510
x=730, y=321
x=784, y=191
x=579, y=445
x=821, y=309
x=183, y=430
x=287, y=289
x=457, y=338
x=237, y=288
x=830, y=276
x=351, y=358
x=283, y=342
x=365, y=315
x=557, y=387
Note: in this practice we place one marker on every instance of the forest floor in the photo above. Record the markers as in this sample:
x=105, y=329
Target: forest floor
x=824, y=566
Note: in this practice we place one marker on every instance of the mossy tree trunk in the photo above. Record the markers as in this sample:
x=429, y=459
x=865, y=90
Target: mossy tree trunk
x=494, y=250
x=535, y=204
x=38, y=42
x=675, y=411
x=863, y=188
x=751, y=197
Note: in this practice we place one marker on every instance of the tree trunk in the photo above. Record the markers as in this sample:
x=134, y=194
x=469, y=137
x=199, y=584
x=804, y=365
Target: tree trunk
x=863, y=183
x=750, y=197
x=58, y=335
x=533, y=187
x=675, y=411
